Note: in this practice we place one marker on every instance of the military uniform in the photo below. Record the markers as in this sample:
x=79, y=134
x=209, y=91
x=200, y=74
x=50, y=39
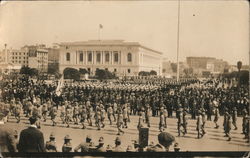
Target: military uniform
x=50, y=145
x=84, y=146
x=53, y=114
x=44, y=112
x=110, y=113
x=67, y=147
x=234, y=118
x=119, y=123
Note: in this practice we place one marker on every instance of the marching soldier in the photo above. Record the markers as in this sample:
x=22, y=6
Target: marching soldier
x=51, y=144
x=228, y=125
x=216, y=115
x=44, y=112
x=110, y=113
x=244, y=122
x=165, y=113
x=83, y=116
x=140, y=122
x=17, y=111
x=162, y=122
x=119, y=123
x=180, y=122
x=62, y=114
x=125, y=117
x=53, y=114
x=103, y=114
x=67, y=147
x=199, y=125
x=234, y=118
x=75, y=113
x=185, y=121
x=89, y=113
x=98, y=118
x=68, y=115
x=203, y=115
x=148, y=115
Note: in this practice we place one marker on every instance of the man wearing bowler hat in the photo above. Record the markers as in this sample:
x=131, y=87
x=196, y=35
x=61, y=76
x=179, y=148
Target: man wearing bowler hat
x=165, y=141
x=31, y=139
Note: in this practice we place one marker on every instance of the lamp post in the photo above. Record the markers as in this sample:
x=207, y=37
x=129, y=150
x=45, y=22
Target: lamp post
x=178, y=42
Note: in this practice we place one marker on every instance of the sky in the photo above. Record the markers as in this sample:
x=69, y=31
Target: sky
x=207, y=28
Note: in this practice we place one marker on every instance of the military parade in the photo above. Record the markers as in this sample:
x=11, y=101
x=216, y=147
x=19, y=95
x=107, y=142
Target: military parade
x=101, y=104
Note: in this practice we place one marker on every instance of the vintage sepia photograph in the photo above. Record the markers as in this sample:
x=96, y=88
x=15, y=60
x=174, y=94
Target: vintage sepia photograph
x=82, y=77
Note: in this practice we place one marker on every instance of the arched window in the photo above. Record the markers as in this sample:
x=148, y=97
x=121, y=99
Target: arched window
x=129, y=57
x=107, y=57
x=98, y=57
x=81, y=56
x=89, y=56
x=116, y=57
x=68, y=56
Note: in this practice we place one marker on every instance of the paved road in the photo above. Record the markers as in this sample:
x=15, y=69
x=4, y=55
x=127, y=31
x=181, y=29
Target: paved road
x=212, y=141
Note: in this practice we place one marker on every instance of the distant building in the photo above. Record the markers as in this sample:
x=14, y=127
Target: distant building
x=53, y=58
x=205, y=65
x=19, y=57
x=122, y=58
x=167, y=70
x=38, y=57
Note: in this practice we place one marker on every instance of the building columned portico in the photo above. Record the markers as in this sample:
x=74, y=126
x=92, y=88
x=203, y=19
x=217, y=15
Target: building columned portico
x=123, y=58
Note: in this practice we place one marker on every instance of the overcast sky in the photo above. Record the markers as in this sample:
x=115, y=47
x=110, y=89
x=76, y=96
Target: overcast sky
x=207, y=28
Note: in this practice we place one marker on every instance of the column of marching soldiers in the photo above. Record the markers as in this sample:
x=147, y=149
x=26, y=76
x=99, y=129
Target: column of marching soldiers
x=80, y=103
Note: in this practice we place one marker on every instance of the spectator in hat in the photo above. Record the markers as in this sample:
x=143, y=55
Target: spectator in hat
x=31, y=139
x=51, y=144
x=117, y=147
x=84, y=146
x=7, y=138
x=100, y=147
x=165, y=141
x=130, y=149
x=176, y=147
x=67, y=147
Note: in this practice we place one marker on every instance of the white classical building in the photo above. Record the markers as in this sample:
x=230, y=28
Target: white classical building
x=123, y=58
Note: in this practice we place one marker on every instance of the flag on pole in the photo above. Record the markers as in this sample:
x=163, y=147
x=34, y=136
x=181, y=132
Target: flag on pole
x=59, y=86
x=100, y=26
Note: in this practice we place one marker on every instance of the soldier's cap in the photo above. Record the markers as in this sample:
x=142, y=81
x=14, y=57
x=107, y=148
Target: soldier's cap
x=109, y=148
x=52, y=135
x=67, y=137
x=135, y=142
x=129, y=148
x=176, y=146
x=89, y=137
x=165, y=137
x=92, y=145
x=101, y=140
x=117, y=139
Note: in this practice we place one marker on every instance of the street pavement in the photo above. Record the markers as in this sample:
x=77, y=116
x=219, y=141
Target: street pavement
x=214, y=139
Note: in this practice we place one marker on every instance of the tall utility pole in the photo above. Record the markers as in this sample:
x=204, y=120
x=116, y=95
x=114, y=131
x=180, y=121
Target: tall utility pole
x=178, y=41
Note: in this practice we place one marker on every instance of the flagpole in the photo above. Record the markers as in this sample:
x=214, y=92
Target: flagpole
x=99, y=33
x=178, y=41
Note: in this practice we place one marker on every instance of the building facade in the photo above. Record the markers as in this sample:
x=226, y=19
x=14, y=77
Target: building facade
x=38, y=58
x=122, y=58
x=19, y=57
x=206, y=64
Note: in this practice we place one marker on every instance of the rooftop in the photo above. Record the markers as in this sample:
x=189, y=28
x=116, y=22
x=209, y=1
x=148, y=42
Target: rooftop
x=106, y=42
